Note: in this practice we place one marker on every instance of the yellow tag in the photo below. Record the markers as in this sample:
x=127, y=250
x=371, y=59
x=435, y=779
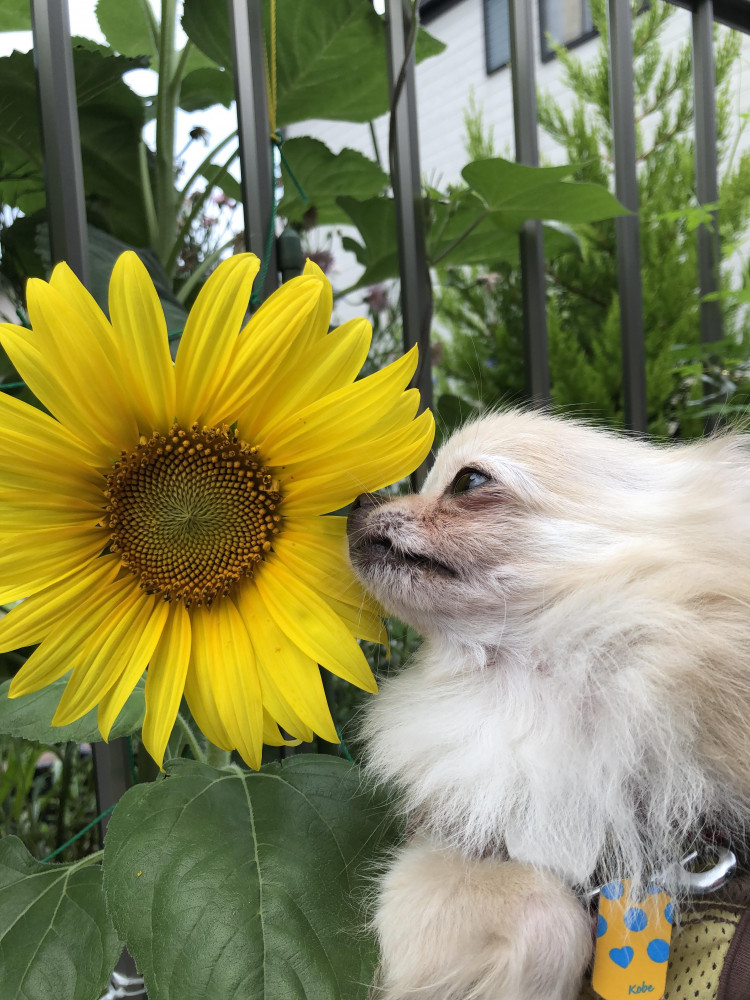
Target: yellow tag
x=632, y=942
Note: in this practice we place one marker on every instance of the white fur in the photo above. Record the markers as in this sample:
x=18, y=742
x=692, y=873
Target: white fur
x=579, y=702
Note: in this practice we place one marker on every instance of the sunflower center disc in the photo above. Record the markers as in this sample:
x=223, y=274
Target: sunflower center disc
x=191, y=511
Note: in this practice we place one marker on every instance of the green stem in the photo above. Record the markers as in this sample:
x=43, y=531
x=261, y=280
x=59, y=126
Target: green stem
x=153, y=24
x=65, y=777
x=88, y=860
x=165, y=126
x=184, y=229
x=148, y=195
x=190, y=739
x=205, y=163
x=180, y=68
x=459, y=239
x=217, y=757
x=201, y=269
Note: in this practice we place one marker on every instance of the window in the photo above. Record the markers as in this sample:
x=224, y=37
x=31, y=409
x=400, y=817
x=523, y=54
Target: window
x=496, y=34
x=567, y=22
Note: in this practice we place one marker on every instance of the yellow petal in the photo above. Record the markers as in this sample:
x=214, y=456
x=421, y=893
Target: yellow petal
x=33, y=619
x=330, y=364
x=272, y=736
x=165, y=681
x=220, y=634
x=306, y=619
x=41, y=374
x=329, y=423
x=81, y=365
x=264, y=350
x=28, y=564
x=319, y=321
x=28, y=432
x=28, y=517
x=103, y=658
x=57, y=481
x=141, y=331
x=64, y=280
x=131, y=659
x=386, y=461
x=205, y=684
x=210, y=336
x=361, y=622
x=290, y=679
x=62, y=648
x=322, y=562
x=38, y=499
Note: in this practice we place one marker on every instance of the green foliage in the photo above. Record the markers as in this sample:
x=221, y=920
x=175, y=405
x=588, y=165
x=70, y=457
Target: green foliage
x=29, y=716
x=47, y=796
x=322, y=175
x=330, y=57
x=480, y=222
x=110, y=118
x=15, y=15
x=484, y=362
x=56, y=937
x=271, y=908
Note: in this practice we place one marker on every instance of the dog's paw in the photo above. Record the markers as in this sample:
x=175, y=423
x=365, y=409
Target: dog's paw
x=456, y=929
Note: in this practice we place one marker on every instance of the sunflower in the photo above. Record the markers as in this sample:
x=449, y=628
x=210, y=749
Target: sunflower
x=168, y=517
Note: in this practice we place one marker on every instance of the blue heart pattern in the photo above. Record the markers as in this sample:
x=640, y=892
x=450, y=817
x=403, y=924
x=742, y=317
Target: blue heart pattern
x=621, y=956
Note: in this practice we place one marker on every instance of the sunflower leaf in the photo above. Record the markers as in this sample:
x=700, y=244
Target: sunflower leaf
x=15, y=15
x=322, y=175
x=56, y=938
x=234, y=884
x=317, y=46
x=29, y=715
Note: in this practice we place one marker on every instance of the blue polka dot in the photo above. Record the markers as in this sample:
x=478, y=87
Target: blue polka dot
x=613, y=890
x=653, y=889
x=621, y=956
x=669, y=913
x=601, y=926
x=658, y=950
x=635, y=919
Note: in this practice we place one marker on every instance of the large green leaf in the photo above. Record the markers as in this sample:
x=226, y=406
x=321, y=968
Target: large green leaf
x=238, y=885
x=375, y=218
x=110, y=118
x=56, y=938
x=206, y=86
x=331, y=57
x=15, y=15
x=323, y=175
x=125, y=26
x=515, y=192
x=461, y=231
x=29, y=717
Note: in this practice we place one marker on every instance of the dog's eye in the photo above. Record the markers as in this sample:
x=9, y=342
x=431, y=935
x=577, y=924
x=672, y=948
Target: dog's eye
x=468, y=479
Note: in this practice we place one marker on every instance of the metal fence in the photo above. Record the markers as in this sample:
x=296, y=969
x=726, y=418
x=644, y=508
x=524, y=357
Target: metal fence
x=67, y=213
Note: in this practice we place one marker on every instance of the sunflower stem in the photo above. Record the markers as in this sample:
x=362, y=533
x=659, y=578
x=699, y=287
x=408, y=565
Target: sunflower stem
x=217, y=757
x=192, y=742
x=167, y=96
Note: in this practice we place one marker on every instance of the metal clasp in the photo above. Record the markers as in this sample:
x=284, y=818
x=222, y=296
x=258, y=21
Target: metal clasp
x=703, y=882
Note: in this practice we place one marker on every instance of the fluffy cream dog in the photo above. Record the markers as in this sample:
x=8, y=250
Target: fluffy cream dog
x=579, y=707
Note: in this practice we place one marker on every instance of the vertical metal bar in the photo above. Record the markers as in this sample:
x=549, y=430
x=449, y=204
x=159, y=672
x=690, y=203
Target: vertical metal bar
x=629, y=281
x=61, y=143
x=706, y=164
x=66, y=212
x=416, y=291
x=531, y=237
x=256, y=153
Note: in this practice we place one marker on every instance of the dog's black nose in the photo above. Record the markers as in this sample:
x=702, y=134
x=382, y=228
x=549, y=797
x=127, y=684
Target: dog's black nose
x=364, y=500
